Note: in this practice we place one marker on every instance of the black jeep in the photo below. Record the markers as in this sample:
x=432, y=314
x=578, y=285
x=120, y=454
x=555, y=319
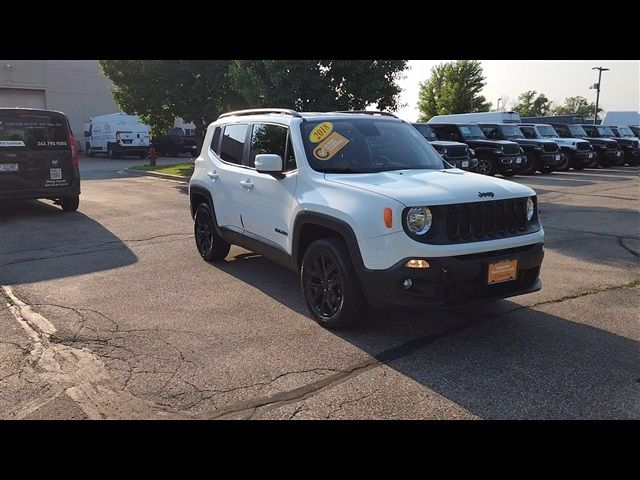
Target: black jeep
x=457, y=154
x=542, y=155
x=604, y=132
x=494, y=156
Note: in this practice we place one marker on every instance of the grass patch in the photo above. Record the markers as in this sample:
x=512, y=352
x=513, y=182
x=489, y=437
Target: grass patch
x=181, y=169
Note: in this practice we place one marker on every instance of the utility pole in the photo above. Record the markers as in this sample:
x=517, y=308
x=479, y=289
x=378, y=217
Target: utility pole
x=597, y=87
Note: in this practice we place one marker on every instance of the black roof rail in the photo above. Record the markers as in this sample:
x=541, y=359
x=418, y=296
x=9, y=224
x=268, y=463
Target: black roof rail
x=368, y=112
x=257, y=111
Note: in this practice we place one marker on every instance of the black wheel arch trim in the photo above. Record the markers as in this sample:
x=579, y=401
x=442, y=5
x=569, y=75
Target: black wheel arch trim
x=339, y=226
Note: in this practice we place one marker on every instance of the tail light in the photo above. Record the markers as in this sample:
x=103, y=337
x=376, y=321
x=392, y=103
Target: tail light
x=117, y=136
x=74, y=150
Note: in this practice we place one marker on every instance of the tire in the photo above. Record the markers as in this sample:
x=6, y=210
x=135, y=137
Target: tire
x=212, y=247
x=111, y=153
x=486, y=166
x=173, y=152
x=509, y=173
x=88, y=150
x=330, y=286
x=70, y=204
x=564, y=166
x=531, y=166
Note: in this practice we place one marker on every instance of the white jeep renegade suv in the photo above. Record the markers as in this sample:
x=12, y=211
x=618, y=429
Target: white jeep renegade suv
x=365, y=209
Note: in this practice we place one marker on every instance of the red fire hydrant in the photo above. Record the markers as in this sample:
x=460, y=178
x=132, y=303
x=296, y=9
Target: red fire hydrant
x=152, y=157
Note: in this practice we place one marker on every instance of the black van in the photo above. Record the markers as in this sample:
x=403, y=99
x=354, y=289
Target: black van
x=38, y=157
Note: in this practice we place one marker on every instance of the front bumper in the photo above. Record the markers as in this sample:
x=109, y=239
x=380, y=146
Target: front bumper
x=608, y=157
x=452, y=282
x=512, y=162
x=584, y=157
x=552, y=159
x=632, y=153
x=463, y=163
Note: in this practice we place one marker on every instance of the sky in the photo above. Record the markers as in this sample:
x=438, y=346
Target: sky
x=557, y=79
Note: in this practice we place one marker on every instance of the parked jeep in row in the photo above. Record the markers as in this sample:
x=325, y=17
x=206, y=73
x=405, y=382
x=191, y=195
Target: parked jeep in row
x=629, y=143
x=578, y=152
x=542, y=155
x=457, y=154
x=494, y=156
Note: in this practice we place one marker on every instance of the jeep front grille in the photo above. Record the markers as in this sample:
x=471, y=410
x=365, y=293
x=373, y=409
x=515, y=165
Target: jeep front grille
x=471, y=222
x=511, y=149
x=457, y=151
x=550, y=147
x=583, y=145
x=612, y=146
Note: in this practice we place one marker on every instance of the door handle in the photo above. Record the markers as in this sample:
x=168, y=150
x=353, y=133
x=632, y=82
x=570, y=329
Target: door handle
x=246, y=184
x=212, y=175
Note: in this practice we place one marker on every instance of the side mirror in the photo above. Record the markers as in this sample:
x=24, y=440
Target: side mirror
x=268, y=163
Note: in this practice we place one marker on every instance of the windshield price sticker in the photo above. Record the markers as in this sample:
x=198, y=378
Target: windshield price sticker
x=320, y=132
x=11, y=143
x=332, y=145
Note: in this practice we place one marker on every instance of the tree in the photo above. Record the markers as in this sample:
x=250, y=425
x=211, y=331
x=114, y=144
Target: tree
x=157, y=91
x=318, y=85
x=576, y=106
x=532, y=105
x=453, y=87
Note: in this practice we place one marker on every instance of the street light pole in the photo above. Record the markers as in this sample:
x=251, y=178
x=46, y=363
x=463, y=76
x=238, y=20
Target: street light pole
x=600, y=70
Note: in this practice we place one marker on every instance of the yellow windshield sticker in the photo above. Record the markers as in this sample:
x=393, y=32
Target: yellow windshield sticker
x=332, y=145
x=320, y=132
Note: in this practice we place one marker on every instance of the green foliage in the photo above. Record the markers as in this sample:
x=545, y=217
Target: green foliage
x=453, y=87
x=157, y=91
x=576, y=106
x=532, y=105
x=318, y=85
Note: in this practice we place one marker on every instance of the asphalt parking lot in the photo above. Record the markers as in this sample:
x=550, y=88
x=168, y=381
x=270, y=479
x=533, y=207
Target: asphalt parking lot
x=131, y=323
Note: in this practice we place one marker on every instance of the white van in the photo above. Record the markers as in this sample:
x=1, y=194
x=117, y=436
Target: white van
x=621, y=119
x=117, y=134
x=484, y=117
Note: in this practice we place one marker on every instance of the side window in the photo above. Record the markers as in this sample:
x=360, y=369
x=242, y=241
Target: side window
x=290, y=161
x=490, y=132
x=215, y=143
x=266, y=138
x=447, y=133
x=562, y=131
x=233, y=141
x=528, y=132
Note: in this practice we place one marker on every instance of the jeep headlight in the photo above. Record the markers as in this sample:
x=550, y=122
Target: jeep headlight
x=531, y=208
x=444, y=151
x=419, y=220
x=472, y=152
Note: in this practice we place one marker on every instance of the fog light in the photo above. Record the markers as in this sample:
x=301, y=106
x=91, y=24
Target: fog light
x=417, y=263
x=407, y=283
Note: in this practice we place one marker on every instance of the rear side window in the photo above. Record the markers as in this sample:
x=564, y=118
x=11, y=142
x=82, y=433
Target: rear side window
x=233, y=141
x=490, y=132
x=528, y=132
x=266, y=138
x=215, y=143
x=33, y=132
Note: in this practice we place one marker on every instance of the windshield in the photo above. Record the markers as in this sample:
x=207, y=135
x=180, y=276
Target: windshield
x=361, y=145
x=426, y=131
x=511, y=131
x=605, y=131
x=625, y=132
x=547, y=131
x=471, y=132
x=577, y=131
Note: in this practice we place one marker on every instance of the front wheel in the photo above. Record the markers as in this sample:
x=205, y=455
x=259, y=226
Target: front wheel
x=212, y=247
x=70, y=204
x=564, y=166
x=330, y=285
x=486, y=166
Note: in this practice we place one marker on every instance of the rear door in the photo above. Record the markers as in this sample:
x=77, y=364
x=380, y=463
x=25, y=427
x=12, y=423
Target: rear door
x=35, y=150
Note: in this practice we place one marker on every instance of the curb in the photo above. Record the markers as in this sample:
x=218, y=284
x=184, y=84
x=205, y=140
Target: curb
x=167, y=176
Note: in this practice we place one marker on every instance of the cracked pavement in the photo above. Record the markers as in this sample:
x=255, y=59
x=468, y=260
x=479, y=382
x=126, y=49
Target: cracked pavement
x=122, y=319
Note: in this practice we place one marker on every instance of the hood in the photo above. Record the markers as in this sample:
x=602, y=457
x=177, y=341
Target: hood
x=601, y=141
x=432, y=187
x=445, y=143
x=488, y=143
x=567, y=141
x=532, y=141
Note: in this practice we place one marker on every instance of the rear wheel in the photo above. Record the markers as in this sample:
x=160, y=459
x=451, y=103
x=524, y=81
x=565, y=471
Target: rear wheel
x=330, y=285
x=212, y=247
x=112, y=153
x=486, y=166
x=70, y=204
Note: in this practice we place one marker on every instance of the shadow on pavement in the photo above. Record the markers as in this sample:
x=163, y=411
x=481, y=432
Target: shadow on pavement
x=496, y=364
x=64, y=243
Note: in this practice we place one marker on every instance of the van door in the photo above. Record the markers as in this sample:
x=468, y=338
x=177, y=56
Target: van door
x=35, y=150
